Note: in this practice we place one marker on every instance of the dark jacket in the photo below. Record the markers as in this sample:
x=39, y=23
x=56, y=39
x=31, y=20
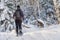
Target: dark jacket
x=20, y=12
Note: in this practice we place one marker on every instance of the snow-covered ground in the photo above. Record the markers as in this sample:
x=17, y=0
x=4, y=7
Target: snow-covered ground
x=50, y=33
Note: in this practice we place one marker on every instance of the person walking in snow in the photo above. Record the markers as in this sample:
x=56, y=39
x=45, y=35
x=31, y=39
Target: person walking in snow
x=18, y=16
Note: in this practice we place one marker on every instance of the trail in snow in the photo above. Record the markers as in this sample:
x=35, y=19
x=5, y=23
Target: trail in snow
x=50, y=33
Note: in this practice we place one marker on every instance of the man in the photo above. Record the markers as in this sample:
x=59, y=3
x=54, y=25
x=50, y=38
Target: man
x=18, y=16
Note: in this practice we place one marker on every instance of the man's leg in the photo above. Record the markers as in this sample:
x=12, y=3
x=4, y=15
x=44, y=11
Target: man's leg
x=16, y=27
x=20, y=27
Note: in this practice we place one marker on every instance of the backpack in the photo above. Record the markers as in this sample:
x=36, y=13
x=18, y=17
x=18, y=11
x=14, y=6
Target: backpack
x=18, y=16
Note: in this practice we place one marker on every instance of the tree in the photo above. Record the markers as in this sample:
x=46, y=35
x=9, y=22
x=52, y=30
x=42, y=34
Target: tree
x=57, y=9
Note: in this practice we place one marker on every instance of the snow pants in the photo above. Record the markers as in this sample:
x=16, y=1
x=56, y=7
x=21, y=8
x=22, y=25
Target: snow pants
x=18, y=25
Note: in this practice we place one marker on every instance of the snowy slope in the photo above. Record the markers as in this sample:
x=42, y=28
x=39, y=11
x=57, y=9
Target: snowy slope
x=50, y=33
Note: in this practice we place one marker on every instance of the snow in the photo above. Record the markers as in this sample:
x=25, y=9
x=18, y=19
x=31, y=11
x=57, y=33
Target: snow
x=31, y=31
x=50, y=33
x=9, y=6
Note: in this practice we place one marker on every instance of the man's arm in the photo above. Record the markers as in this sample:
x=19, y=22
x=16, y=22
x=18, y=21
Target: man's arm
x=14, y=15
x=22, y=15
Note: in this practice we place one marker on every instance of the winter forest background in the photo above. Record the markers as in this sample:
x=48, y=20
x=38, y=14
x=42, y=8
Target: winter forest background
x=45, y=11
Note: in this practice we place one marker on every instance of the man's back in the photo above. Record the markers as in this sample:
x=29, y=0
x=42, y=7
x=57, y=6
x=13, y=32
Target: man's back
x=18, y=14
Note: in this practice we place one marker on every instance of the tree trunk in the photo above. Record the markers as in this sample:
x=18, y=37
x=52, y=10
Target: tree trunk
x=56, y=5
